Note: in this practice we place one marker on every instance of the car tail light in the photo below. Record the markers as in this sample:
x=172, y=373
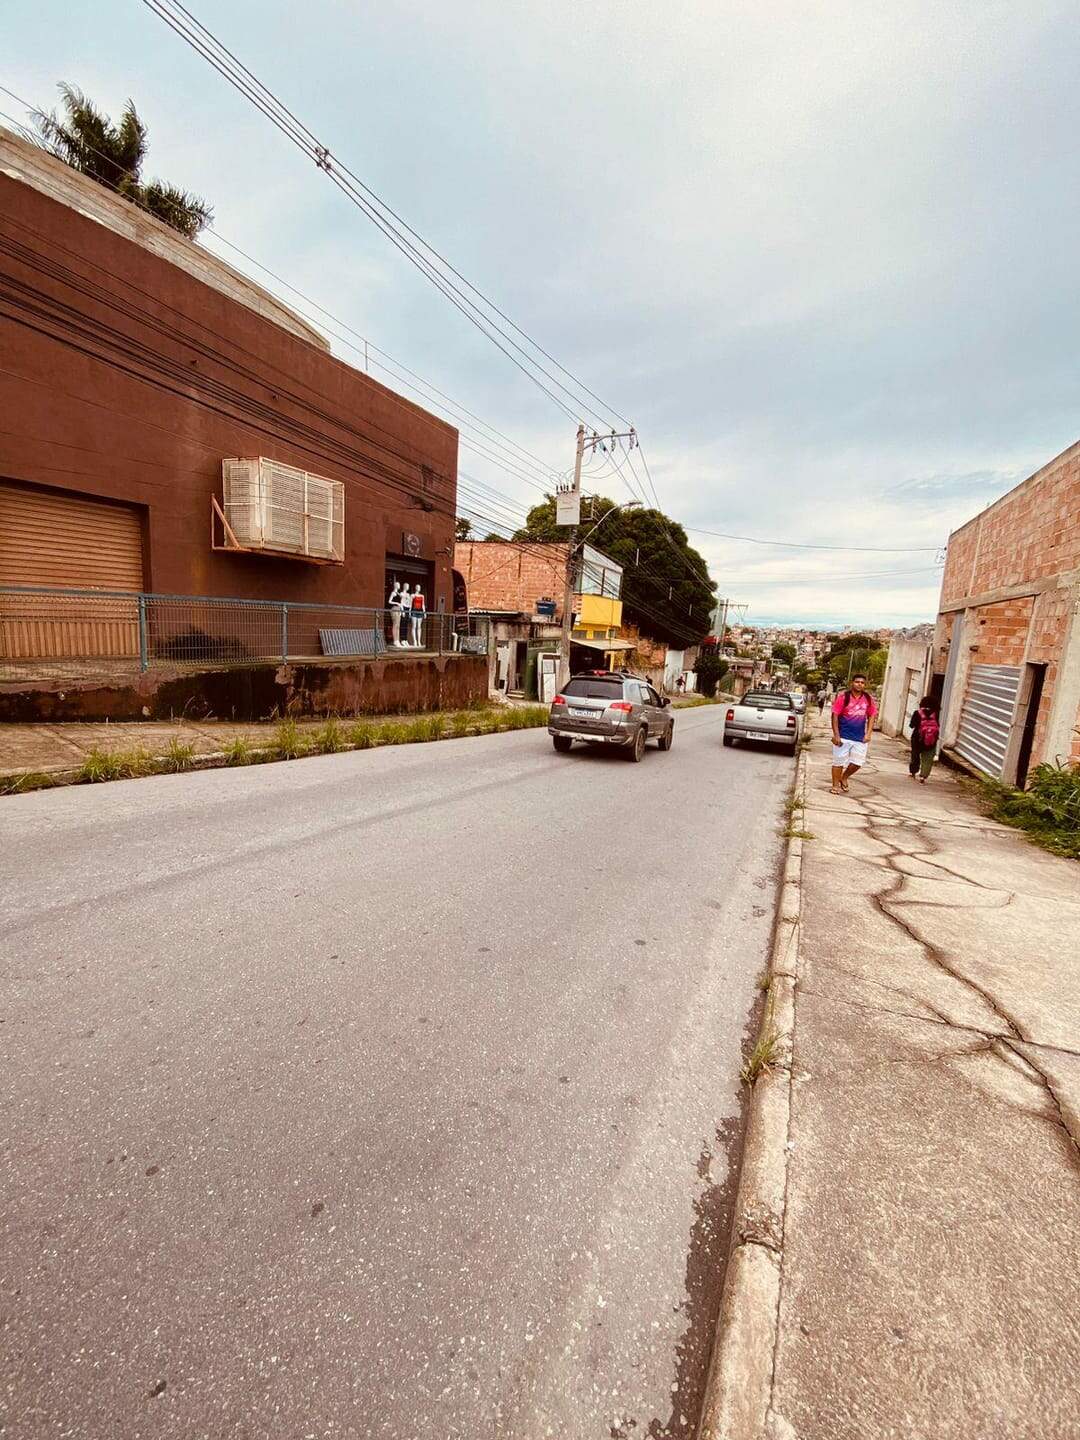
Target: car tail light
x=559, y=700
x=730, y=715
x=623, y=705
x=791, y=722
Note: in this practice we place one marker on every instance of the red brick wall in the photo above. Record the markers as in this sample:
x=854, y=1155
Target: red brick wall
x=125, y=377
x=1002, y=632
x=649, y=654
x=506, y=577
x=959, y=562
x=1030, y=535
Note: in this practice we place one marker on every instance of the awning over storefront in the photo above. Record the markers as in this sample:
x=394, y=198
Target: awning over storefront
x=606, y=647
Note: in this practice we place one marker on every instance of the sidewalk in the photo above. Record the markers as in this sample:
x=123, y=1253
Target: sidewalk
x=929, y=1266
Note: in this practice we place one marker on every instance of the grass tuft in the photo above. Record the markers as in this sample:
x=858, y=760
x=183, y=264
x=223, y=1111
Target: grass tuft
x=289, y=743
x=362, y=735
x=177, y=757
x=100, y=765
x=461, y=722
x=238, y=751
x=762, y=1057
x=764, y=980
x=22, y=784
x=329, y=738
x=395, y=733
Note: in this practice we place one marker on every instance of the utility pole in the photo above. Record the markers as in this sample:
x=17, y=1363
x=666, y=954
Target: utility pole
x=568, y=504
x=568, y=586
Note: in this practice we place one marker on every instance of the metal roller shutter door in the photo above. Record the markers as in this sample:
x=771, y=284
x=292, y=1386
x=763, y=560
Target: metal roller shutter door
x=987, y=717
x=66, y=540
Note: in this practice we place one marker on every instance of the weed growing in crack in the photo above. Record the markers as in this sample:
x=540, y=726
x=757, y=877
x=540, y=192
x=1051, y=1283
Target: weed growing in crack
x=762, y=1057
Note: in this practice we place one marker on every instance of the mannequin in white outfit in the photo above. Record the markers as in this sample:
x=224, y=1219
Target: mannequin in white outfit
x=416, y=619
x=396, y=612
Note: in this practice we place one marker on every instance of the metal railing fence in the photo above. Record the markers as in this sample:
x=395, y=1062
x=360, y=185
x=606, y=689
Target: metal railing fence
x=48, y=633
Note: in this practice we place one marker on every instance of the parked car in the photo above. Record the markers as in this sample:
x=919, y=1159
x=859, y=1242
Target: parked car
x=604, y=707
x=798, y=699
x=766, y=716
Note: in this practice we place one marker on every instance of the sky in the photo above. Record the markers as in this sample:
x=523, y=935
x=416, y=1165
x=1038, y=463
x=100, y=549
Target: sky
x=823, y=255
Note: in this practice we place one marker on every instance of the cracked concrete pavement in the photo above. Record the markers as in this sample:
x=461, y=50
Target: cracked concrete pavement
x=930, y=1286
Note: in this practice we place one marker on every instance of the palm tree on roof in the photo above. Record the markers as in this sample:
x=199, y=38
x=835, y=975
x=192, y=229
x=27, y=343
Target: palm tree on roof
x=113, y=154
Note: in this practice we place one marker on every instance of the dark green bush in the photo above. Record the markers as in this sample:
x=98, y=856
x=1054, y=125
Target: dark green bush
x=1048, y=810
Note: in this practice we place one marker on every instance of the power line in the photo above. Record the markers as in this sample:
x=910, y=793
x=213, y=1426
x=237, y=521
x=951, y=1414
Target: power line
x=547, y=472
x=803, y=545
x=423, y=255
x=830, y=579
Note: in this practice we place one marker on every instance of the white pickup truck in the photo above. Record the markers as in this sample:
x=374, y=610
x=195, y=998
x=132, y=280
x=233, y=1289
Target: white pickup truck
x=764, y=715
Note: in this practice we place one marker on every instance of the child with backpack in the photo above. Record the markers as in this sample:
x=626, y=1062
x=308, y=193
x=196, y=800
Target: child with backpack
x=925, y=731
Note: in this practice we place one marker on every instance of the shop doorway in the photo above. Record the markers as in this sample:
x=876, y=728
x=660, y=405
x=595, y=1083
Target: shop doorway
x=519, y=654
x=403, y=570
x=1033, y=685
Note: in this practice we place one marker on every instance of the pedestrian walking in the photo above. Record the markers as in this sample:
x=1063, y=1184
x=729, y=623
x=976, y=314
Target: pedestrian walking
x=853, y=714
x=925, y=730
x=822, y=697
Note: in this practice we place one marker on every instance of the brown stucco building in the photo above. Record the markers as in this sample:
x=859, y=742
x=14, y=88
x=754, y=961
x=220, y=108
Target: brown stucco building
x=134, y=362
x=1007, y=642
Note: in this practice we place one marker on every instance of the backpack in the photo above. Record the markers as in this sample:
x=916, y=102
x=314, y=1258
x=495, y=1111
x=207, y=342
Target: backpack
x=929, y=729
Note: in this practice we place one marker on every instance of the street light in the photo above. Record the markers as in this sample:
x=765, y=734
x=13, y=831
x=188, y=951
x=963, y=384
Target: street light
x=629, y=505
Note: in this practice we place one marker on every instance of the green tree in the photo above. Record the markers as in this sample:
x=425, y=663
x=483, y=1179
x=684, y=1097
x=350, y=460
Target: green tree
x=710, y=670
x=113, y=155
x=666, y=589
x=843, y=643
x=862, y=661
x=462, y=528
x=784, y=651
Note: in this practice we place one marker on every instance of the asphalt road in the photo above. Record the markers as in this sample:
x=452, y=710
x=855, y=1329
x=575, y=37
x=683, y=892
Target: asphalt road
x=386, y=1094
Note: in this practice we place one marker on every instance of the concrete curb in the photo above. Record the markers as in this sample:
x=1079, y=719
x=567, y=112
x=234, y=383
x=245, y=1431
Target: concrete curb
x=739, y=1387
x=65, y=775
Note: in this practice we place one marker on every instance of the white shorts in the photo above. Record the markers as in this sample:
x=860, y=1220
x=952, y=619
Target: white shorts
x=849, y=752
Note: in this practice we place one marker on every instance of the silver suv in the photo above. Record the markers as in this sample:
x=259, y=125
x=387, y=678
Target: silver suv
x=606, y=707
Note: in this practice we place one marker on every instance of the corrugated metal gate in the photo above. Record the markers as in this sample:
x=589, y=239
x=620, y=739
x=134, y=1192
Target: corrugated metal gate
x=987, y=717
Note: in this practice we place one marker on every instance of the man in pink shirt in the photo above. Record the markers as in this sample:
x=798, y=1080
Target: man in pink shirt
x=853, y=714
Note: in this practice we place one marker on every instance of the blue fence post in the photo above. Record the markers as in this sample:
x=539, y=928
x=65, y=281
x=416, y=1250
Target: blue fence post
x=284, y=632
x=144, y=647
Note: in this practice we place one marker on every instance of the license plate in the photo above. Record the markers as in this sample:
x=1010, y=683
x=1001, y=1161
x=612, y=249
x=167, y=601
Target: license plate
x=582, y=714
x=758, y=735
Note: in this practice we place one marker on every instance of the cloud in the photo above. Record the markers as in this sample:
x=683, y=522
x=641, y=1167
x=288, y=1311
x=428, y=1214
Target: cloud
x=822, y=255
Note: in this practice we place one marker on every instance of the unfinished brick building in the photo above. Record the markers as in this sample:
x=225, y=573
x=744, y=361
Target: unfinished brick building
x=1007, y=642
